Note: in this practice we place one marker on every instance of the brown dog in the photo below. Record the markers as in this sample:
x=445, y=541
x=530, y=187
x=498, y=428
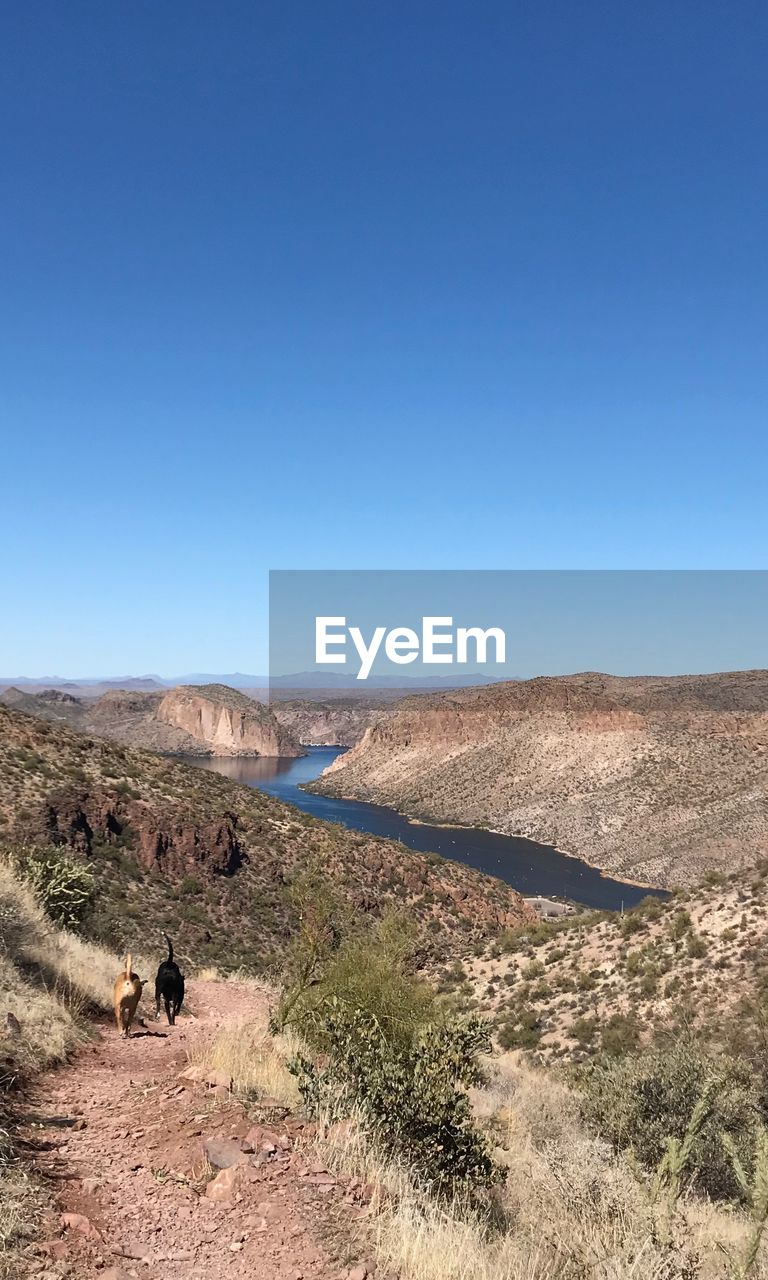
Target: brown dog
x=126, y=996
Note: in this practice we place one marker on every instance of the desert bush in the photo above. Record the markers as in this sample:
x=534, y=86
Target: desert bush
x=520, y=1031
x=620, y=1035
x=62, y=884
x=372, y=975
x=641, y=1102
x=410, y=1096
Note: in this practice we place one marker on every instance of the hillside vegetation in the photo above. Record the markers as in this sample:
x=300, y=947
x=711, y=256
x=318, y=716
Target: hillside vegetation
x=214, y=862
x=650, y=778
x=608, y=982
x=655, y=1165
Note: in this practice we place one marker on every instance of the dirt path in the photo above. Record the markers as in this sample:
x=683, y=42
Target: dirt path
x=119, y=1136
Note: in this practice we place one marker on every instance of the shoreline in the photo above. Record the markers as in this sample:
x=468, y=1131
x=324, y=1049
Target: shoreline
x=508, y=835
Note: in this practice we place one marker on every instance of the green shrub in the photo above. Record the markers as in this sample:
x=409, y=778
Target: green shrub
x=411, y=1096
x=189, y=887
x=520, y=1032
x=584, y=1030
x=640, y=1102
x=620, y=1035
x=680, y=925
x=373, y=975
x=62, y=884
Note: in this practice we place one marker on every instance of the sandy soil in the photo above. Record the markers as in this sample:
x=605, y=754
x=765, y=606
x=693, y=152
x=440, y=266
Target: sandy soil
x=118, y=1135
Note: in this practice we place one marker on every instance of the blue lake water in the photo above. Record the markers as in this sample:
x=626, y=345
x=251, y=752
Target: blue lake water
x=529, y=867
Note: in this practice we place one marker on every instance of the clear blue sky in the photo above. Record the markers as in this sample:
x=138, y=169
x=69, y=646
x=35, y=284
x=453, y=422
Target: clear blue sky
x=303, y=285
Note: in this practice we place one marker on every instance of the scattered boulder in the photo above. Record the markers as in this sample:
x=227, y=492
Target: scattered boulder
x=132, y=1249
x=223, y=1152
x=195, y=1072
x=79, y=1223
x=222, y=1188
x=56, y=1249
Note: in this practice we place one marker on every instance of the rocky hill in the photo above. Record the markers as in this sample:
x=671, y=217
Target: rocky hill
x=211, y=720
x=211, y=861
x=607, y=982
x=335, y=722
x=651, y=778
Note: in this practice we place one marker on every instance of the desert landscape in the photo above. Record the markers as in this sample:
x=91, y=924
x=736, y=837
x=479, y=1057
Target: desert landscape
x=658, y=779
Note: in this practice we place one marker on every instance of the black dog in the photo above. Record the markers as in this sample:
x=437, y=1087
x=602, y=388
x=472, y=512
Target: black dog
x=169, y=986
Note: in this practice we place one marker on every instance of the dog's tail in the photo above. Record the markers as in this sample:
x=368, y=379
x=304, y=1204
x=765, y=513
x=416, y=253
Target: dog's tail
x=128, y=966
x=170, y=947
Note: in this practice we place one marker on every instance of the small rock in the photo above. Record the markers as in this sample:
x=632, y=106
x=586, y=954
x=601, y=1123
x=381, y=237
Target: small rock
x=79, y=1223
x=56, y=1249
x=358, y=1273
x=113, y=1273
x=219, y=1080
x=194, y=1073
x=90, y=1186
x=223, y=1152
x=132, y=1249
x=222, y=1187
x=235, y=1246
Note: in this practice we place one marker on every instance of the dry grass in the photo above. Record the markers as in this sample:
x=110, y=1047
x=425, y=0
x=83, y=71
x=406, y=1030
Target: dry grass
x=48, y=980
x=570, y=1209
x=242, y=976
x=254, y=1059
x=21, y=1203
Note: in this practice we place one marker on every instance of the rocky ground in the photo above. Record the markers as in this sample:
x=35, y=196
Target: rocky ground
x=157, y=1171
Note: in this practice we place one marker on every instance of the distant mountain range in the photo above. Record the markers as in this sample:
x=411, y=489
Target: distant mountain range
x=240, y=680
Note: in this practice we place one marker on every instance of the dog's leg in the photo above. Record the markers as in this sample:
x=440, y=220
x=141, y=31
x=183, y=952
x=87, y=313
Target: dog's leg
x=168, y=1010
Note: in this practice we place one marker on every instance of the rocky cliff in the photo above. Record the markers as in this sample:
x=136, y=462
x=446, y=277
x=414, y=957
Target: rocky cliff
x=211, y=720
x=336, y=722
x=183, y=849
x=225, y=722
x=656, y=779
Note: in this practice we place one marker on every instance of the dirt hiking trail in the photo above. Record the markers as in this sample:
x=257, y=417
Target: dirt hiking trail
x=126, y=1140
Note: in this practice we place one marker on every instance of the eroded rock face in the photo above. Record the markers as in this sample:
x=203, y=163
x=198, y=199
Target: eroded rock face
x=212, y=848
x=174, y=847
x=226, y=721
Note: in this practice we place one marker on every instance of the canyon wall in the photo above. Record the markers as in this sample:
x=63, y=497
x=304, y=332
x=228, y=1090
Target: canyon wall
x=655, y=779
